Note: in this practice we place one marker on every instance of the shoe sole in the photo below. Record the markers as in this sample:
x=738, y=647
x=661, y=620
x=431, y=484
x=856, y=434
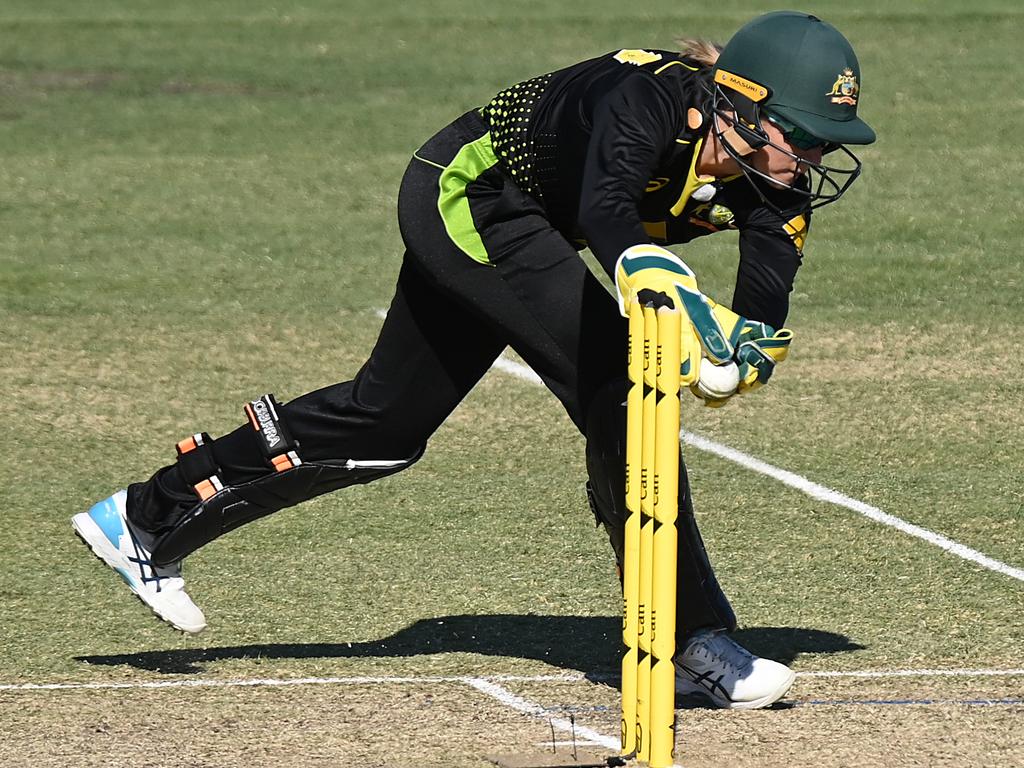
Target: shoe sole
x=100, y=546
x=685, y=688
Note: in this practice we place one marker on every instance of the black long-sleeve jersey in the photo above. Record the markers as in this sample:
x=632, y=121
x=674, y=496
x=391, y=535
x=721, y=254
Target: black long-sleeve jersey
x=609, y=146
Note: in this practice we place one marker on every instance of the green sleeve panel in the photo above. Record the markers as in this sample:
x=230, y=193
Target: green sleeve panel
x=453, y=204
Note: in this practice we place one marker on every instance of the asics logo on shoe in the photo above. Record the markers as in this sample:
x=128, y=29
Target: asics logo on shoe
x=142, y=560
x=705, y=681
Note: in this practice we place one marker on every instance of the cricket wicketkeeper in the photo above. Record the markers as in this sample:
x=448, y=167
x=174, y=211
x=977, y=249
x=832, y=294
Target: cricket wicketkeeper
x=624, y=153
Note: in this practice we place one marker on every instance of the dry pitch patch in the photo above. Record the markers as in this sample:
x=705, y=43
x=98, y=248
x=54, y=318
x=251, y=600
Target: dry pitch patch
x=832, y=722
x=373, y=725
x=835, y=722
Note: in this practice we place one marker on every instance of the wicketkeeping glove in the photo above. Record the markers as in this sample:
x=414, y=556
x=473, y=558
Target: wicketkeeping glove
x=759, y=349
x=714, y=332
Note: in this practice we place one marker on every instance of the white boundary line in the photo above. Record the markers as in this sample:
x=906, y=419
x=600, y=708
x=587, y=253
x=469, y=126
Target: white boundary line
x=812, y=489
x=463, y=679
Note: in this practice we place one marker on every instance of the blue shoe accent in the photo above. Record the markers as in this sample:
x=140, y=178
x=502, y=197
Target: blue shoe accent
x=106, y=515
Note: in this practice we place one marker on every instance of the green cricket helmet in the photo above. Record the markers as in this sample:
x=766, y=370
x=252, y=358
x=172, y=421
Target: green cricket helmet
x=801, y=74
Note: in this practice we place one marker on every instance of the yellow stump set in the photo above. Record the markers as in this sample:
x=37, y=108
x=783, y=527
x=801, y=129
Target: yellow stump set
x=649, y=570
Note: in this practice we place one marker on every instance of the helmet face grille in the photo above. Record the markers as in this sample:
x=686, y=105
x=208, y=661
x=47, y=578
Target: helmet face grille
x=819, y=185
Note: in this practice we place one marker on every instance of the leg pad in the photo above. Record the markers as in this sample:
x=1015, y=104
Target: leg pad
x=223, y=507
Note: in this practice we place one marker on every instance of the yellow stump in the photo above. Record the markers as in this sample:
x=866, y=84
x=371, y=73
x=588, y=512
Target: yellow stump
x=630, y=573
x=646, y=559
x=663, y=601
x=649, y=568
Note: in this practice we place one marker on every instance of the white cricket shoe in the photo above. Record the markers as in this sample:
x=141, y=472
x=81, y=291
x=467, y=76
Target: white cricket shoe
x=730, y=676
x=106, y=530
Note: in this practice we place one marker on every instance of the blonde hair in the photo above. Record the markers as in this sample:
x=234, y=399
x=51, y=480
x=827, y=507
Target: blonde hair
x=700, y=50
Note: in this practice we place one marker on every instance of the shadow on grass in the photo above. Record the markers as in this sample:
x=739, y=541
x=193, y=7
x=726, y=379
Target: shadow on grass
x=588, y=644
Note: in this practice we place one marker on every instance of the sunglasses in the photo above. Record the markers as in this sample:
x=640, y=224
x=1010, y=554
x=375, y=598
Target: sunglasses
x=795, y=135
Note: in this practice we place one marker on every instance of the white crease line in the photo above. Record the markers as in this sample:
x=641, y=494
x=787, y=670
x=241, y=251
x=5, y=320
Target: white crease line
x=820, y=492
x=518, y=703
x=921, y=673
x=518, y=369
x=284, y=682
x=814, y=490
x=384, y=680
x=577, y=743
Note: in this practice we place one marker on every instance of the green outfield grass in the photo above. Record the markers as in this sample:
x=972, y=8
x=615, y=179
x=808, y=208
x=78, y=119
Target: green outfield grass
x=183, y=183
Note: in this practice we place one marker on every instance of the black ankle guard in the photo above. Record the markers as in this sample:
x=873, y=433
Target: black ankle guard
x=288, y=481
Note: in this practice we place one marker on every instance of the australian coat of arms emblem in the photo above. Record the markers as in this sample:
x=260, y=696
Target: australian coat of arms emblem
x=845, y=88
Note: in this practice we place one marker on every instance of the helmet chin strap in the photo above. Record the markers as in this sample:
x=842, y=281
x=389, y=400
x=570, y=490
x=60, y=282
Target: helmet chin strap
x=736, y=143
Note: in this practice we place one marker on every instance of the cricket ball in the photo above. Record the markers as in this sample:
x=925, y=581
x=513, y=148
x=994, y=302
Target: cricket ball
x=717, y=382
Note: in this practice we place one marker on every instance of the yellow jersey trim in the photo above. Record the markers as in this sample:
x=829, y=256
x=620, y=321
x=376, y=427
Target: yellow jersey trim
x=693, y=180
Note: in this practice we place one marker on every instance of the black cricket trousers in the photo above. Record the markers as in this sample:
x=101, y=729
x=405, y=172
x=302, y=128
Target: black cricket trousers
x=483, y=270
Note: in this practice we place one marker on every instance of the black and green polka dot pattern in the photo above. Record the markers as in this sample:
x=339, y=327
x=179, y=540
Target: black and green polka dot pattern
x=509, y=114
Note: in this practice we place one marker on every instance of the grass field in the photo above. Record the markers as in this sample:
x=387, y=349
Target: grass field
x=183, y=181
